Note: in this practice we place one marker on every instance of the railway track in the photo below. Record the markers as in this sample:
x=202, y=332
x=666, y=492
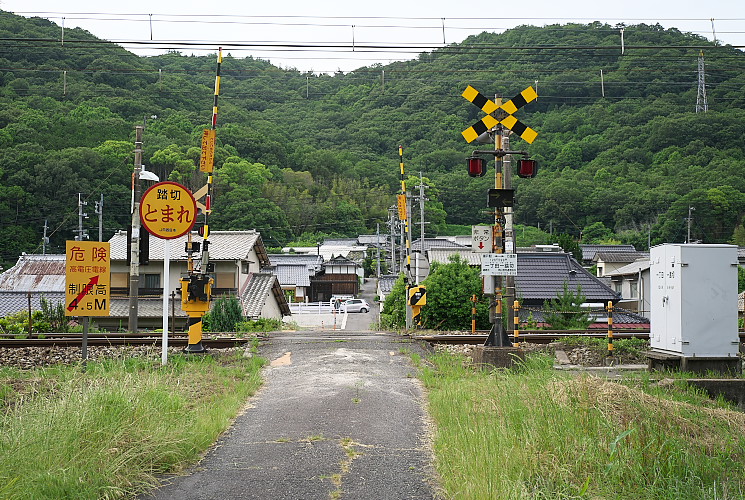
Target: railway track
x=542, y=337
x=75, y=340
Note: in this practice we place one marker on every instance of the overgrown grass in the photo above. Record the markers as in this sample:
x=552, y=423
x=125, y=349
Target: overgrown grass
x=107, y=432
x=535, y=433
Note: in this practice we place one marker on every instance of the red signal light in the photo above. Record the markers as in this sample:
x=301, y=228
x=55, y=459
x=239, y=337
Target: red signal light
x=527, y=169
x=476, y=166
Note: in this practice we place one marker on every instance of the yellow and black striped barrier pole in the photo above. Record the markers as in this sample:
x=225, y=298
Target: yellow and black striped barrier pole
x=610, y=328
x=516, y=310
x=473, y=314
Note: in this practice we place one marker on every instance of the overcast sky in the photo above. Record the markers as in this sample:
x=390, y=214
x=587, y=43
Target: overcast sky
x=403, y=28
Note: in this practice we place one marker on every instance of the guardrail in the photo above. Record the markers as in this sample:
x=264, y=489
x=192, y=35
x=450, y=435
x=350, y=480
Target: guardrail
x=312, y=307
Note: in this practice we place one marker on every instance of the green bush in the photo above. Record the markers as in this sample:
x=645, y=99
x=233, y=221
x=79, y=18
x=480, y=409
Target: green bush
x=259, y=325
x=224, y=316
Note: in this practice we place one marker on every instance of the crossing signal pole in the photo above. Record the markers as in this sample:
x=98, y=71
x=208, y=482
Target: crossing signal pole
x=501, y=198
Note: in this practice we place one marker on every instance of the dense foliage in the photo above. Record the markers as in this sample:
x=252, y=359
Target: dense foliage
x=450, y=288
x=622, y=159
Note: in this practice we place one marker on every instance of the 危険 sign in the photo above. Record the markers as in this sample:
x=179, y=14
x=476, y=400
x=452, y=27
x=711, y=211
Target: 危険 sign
x=87, y=278
x=499, y=264
x=168, y=210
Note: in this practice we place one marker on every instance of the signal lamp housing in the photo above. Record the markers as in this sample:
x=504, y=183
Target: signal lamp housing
x=476, y=166
x=527, y=169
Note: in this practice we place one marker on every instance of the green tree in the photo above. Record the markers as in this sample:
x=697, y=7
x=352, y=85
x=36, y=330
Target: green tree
x=568, y=244
x=224, y=316
x=449, y=290
x=565, y=311
x=394, y=307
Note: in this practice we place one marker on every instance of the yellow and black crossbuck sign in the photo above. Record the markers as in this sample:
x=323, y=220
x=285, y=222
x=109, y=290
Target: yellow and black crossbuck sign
x=488, y=122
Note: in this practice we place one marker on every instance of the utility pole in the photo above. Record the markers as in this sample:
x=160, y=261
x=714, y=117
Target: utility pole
x=134, y=265
x=509, y=238
x=99, y=212
x=689, y=219
x=392, y=236
x=82, y=235
x=377, y=248
x=44, y=240
x=422, y=199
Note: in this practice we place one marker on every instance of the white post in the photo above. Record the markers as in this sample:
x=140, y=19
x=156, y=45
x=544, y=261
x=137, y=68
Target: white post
x=166, y=295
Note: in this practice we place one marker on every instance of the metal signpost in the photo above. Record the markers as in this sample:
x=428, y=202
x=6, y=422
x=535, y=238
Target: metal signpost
x=87, y=282
x=168, y=210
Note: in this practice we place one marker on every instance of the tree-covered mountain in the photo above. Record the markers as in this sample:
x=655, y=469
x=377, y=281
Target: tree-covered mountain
x=622, y=152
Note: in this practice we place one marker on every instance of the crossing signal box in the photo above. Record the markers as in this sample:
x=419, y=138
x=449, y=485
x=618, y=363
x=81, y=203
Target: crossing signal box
x=476, y=166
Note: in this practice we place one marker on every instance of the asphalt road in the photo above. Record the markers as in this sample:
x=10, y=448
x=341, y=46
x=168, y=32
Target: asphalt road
x=341, y=415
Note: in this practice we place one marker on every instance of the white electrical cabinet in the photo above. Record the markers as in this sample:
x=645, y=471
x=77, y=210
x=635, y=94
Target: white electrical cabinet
x=693, y=296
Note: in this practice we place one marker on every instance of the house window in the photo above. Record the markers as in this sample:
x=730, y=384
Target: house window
x=634, y=290
x=151, y=281
x=618, y=287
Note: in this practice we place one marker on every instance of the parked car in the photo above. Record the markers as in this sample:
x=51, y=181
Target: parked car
x=356, y=305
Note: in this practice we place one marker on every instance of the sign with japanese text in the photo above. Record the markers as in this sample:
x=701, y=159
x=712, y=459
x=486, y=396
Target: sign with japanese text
x=87, y=278
x=499, y=264
x=207, y=160
x=168, y=210
x=401, y=207
x=482, y=239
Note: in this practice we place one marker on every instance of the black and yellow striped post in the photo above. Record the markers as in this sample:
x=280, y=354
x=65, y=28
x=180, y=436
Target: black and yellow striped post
x=610, y=328
x=516, y=319
x=473, y=313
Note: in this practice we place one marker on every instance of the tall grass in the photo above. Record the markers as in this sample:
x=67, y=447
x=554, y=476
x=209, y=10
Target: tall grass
x=533, y=433
x=107, y=432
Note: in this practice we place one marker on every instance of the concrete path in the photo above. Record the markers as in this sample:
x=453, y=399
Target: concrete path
x=340, y=416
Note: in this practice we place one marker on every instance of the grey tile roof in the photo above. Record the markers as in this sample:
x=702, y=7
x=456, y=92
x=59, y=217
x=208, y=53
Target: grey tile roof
x=12, y=302
x=224, y=245
x=295, y=258
x=372, y=239
x=35, y=273
x=633, y=268
x=433, y=242
x=257, y=291
x=343, y=242
x=616, y=257
x=442, y=255
x=146, y=308
x=589, y=251
x=542, y=276
x=620, y=317
x=291, y=274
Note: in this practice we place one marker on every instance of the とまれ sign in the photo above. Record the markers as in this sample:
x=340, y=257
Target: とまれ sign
x=87, y=278
x=168, y=210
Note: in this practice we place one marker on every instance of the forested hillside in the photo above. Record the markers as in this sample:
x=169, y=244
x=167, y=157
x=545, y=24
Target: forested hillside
x=622, y=156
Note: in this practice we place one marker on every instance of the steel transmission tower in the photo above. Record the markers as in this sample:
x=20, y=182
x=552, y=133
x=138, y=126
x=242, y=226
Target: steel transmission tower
x=701, y=104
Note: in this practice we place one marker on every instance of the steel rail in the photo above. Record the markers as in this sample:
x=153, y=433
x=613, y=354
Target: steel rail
x=109, y=341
